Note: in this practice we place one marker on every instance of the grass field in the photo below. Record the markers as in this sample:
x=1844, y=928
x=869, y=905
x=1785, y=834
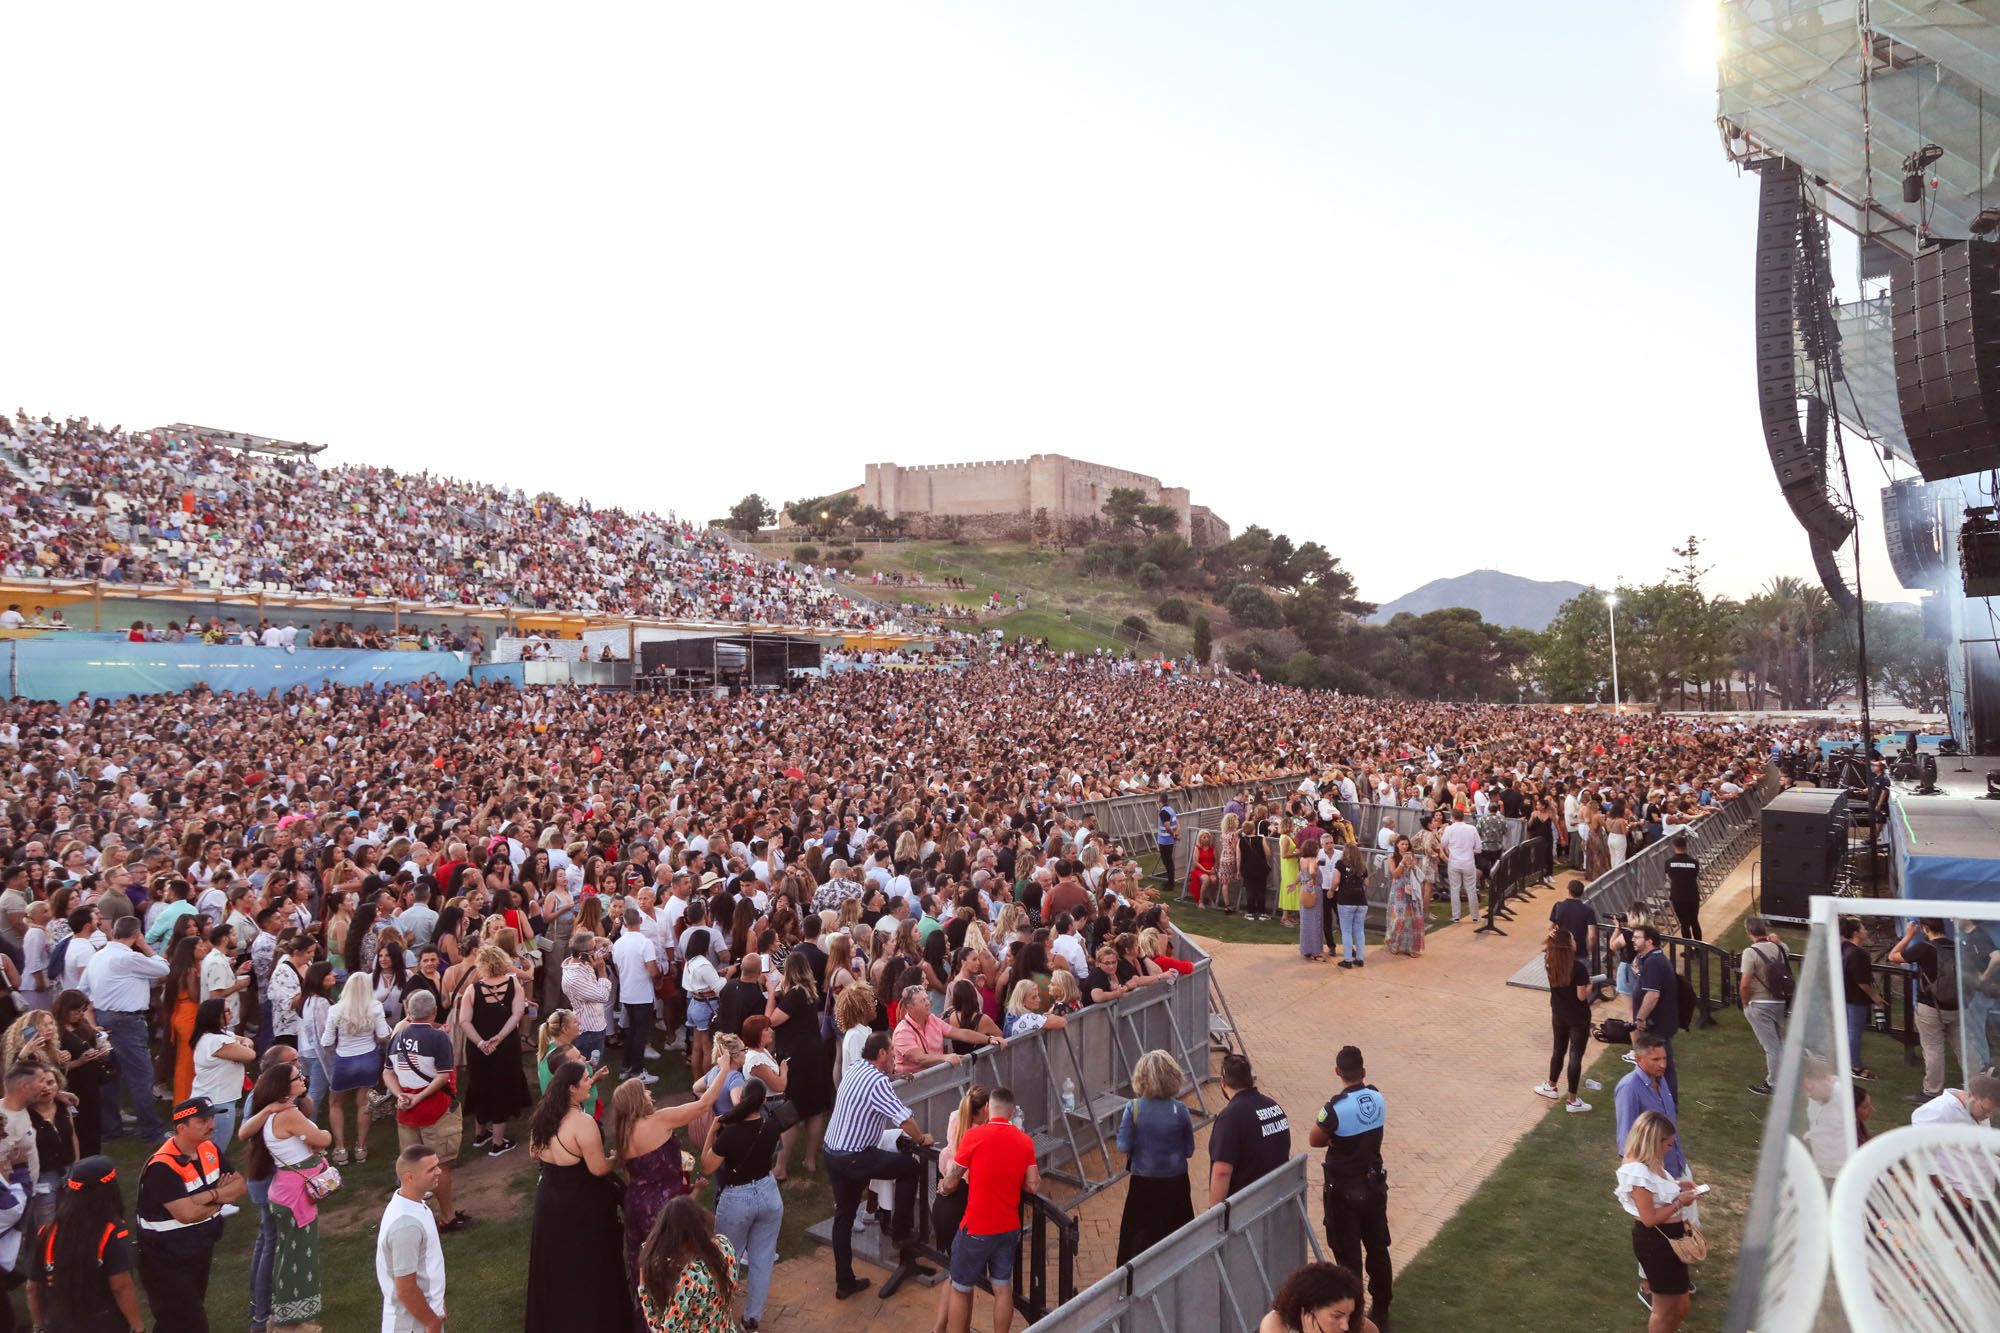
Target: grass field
x=1542, y=1245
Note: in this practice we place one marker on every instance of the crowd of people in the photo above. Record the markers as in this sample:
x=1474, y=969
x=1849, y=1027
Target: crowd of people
x=176, y=510
x=442, y=903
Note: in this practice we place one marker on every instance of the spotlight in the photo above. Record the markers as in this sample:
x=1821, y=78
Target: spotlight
x=1927, y=775
x=1913, y=171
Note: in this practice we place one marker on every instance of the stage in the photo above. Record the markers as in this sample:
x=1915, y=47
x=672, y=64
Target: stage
x=1947, y=845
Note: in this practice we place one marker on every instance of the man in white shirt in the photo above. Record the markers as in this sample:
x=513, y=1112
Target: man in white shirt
x=1964, y=1174
x=1461, y=847
x=638, y=963
x=86, y=937
x=119, y=982
x=1068, y=946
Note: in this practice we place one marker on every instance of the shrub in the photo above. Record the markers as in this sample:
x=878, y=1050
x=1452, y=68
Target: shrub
x=1252, y=606
x=807, y=554
x=1149, y=575
x=1135, y=626
x=1203, y=640
x=1239, y=659
x=846, y=555
x=1173, y=611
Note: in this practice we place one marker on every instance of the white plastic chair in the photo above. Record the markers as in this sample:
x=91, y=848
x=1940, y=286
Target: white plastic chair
x=1908, y=1258
x=1793, y=1281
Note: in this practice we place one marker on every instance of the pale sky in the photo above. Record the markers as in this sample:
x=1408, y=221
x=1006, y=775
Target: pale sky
x=1441, y=286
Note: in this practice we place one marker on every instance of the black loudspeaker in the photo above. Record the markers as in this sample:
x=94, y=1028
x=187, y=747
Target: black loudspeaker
x=1979, y=552
x=1913, y=530
x=1790, y=251
x=1804, y=840
x=1946, y=316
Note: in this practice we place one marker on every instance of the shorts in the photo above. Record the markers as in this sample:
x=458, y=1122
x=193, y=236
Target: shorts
x=442, y=1136
x=701, y=1014
x=353, y=1072
x=991, y=1256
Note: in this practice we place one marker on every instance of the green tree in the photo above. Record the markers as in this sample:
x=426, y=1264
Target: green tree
x=1574, y=659
x=1204, y=644
x=823, y=514
x=1173, y=611
x=1902, y=661
x=871, y=521
x=1251, y=606
x=1157, y=518
x=751, y=513
x=1121, y=508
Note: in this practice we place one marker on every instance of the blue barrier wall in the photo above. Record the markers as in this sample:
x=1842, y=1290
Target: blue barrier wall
x=514, y=673
x=54, y=668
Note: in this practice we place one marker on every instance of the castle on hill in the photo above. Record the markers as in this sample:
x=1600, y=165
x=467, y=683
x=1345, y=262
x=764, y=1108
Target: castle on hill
x=1041, y=497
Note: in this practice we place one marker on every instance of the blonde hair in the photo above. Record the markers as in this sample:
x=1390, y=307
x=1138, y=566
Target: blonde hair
x=1157, y=1076
x=855, y=1007
x=1016, y=998
x=1149, y=943
x=971, y=1104
x=550, y=1026
x=975, y=938
x=493, y=960
x=1008, y=922
x=1647, y=1141
x=729, y=1046
x=354, y=1013
x=1063, y=987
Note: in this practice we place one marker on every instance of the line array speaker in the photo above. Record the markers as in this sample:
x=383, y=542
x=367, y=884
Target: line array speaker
x=1937, y=617
x=1979, y=552
x=1913, y=530
x=1786, y=262
x=1946, y=316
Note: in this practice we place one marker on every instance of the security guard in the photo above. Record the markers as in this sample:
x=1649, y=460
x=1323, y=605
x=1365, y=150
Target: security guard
x=1357, y=1185
x=182, y=1193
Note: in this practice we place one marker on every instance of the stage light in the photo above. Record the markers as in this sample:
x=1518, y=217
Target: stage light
x=1913, y=171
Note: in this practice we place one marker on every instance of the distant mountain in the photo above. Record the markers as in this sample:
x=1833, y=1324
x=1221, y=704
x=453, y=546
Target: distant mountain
x=1502, y=599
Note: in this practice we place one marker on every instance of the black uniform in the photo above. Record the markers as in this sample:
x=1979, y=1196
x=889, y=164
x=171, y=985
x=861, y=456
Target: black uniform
x=1684, y=887
x=1357, y=1191
x=174, y=1257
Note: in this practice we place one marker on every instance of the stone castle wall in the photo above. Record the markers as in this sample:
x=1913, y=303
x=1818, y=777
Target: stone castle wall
x=1000, y=500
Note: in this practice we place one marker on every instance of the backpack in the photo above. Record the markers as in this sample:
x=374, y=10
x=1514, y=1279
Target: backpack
x=1944, y=990
x=1777, y=973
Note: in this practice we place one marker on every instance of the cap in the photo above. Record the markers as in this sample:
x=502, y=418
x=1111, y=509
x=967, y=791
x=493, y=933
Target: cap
x=193, y=1108
x=91, y=1171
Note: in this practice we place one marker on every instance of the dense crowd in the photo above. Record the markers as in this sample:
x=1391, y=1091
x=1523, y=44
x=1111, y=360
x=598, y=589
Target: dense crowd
x=145, y=507
x=376, y=899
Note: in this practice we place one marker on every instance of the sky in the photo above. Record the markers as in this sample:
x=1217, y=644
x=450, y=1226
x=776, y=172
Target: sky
x=1443, y=286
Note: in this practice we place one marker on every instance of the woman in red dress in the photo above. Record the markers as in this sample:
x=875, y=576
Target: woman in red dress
x=1203, y=868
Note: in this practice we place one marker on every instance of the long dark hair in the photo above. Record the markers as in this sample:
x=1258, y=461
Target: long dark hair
x=273, y=1085
x=554, y=1105
x=180, y=966
x=749, y=1102
x=358, y=927
x=683, y=1234
x=209, y=1016
x=69, y=1248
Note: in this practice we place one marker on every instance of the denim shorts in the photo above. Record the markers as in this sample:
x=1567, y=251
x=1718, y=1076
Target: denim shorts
x=353, y=1072
x=992, y=1256
x=701, y=1014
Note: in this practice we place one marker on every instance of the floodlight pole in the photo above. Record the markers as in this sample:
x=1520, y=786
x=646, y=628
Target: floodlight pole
x=1617, y=699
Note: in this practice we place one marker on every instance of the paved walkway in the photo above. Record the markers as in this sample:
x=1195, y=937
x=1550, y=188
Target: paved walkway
x=1453, y=1048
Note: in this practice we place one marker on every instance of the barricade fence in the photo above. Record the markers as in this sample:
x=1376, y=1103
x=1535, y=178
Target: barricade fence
x=1643, y=875
x=1219, y=1272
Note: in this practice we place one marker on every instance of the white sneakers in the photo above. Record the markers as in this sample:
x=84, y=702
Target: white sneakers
x=1550, y=1091
x=1576, y=1108
x=1547, y=1090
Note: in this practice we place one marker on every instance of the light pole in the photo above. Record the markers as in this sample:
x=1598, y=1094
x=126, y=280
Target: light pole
x=1611, y=608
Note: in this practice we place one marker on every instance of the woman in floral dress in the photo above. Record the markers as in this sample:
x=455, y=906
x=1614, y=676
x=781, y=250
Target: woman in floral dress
x=1406, y=903
x=688, y=1273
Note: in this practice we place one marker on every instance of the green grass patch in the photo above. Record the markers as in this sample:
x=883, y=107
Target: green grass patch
x=1543, y=1245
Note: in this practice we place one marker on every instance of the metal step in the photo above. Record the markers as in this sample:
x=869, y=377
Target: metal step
x=1100, y=1108
x=872, y=1247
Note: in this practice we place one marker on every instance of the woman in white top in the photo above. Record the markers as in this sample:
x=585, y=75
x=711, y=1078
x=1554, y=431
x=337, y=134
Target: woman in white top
x=853, y=1013
x=1656, y=1201
x=1024, y=1011
x=219, y=1058
x=702, y=984
x=353, y=1030
x=759, y=1040
x=285, y=1147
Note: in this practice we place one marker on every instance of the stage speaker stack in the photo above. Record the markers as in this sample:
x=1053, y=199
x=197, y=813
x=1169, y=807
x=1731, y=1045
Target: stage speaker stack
x=1913, y=530
x=1805, y=839
x=1946, y=316
x=1798, y=455
x=1979, y=552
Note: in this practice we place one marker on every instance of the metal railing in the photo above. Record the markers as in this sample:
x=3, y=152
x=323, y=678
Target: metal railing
x=1039, y=1218
x=1217, y=1272
x=1640, y=876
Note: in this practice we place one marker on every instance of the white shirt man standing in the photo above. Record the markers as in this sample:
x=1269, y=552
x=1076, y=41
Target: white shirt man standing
x=409, y=1262
x=1461, y=849
x=638, y=962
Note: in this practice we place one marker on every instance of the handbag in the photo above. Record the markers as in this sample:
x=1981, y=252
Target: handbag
x=1308, y=897
x=1690, y=1247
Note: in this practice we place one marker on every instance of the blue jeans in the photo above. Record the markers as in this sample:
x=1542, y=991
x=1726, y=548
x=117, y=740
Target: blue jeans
x=263, y=1042
x=750, y=1216
x=319, y=1079
x=1978, y=1048
x=224, y=1134
x=261, y=1253
x=1353, y=929
x=135, y=1074
x=974, y=1257
x=1857, y=1021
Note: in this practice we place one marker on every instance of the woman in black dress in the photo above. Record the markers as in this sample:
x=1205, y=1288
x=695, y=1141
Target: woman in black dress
x=576, y=1252
x=490, y=1014
x=794, y=1013
x=1256, y=865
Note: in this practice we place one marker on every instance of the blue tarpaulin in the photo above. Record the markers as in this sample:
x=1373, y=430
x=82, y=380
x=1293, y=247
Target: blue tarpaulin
x=1946, y=847
x=61, y=669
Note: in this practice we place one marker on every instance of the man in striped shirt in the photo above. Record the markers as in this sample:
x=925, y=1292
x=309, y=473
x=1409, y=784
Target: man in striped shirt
x=865, y=1109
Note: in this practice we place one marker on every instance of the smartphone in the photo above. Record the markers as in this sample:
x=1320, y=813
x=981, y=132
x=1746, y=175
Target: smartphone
x=1700, y=1190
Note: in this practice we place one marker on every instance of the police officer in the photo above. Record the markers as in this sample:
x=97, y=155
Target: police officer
x=1357, y=1185
x=182, y=1193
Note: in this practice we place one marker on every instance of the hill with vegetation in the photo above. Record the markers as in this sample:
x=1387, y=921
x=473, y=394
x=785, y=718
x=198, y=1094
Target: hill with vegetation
x=1505, y=599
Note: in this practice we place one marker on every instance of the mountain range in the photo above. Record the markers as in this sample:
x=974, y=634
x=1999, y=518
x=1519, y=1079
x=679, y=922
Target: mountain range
x=1502, y=599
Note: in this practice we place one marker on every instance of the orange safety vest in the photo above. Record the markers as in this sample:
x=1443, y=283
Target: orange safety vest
x=111, y=1229
x=199, y=1174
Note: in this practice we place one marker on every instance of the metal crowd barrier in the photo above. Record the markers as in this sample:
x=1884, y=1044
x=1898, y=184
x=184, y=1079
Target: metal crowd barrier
x=1642, y=874
x=1218, y=1272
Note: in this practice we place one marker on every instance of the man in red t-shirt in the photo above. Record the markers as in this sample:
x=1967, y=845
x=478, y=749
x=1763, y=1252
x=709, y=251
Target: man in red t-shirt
x=996, y=1162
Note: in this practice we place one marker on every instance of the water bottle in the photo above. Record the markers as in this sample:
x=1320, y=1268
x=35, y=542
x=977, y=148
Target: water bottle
x=1069, y=1094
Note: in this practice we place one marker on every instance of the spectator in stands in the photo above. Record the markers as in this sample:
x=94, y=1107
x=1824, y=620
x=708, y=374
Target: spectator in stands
x=1157, y=1135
